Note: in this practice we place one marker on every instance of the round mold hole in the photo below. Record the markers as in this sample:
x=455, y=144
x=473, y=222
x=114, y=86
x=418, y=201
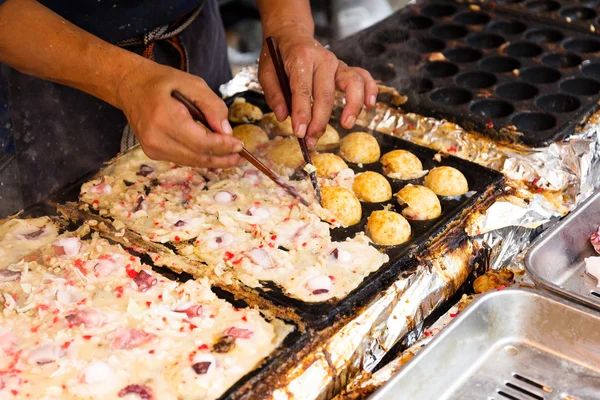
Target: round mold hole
x=499, y=64
x=391, y=35
x=449, y=31
x=533, y=122
x=524, y=50
x=438, y=10
x=592, y=70
x=383, y=73
x=582, y=45
x=472, y=18
x=507, y=27
x=451, y=96
x=490, y=108
x=484, y=40
x=373, y=49
x=463, y=54
x=581, y=86
x=416, y=22
x=558, y=103
x=540, y=75
x=578, y=13
x=542, y=5
x=440, y=69
x=476, y=80
x=517, y=91
x=423, y=85
x=562, y=60
x=426, y=45
x=544, y=35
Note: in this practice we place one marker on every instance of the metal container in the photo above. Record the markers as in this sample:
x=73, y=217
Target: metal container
x=513, y=344
x=556, y=260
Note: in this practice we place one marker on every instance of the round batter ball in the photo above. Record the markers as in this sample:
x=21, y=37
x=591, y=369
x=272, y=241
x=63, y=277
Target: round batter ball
x=251, y=135
x=328, y=165
x=275, y=128
x=447, y=181
x=421, y=203
x=388, y=228
x=330, y=139
x=342, y=203
x=372, y=187
x=286, y=152
x=360, y=148
x=402, y=164
x=242, y=112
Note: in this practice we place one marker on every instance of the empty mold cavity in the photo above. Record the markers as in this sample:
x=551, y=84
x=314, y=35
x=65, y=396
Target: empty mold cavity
x=582, y=45
x=558, y=103
x=476, y=80
x=426, y=45
x=581, y=86
x=540, y=75
x=544, y=35
x=373, y=49
x=472, y=18
x=592, y=70
x=542, y=5
x=533, y=122
x=491, y=108
x=562, y=60
x=484, y=40
x=383, y=73
x=463, y=54
x=578, y=13
x=416, y=22
x=517, y=91
x=423, y=85
x=391, y=35
x=499, y=64
x=524, y=50
x=451, y=96
x=449, y=31
x=507, y=27
x=440, y=69
x=438, y=10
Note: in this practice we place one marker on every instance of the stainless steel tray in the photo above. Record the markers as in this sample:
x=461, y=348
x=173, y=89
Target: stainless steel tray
x=513, y=344
x=555, y=261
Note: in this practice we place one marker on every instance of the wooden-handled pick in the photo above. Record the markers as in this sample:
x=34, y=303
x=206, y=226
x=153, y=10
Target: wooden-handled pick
x=284, y=83
x=199, y=116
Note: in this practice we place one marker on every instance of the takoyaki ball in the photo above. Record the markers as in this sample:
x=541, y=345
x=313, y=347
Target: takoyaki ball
x=388, y=228
x=421, y=203
x=242, y=112
x=447, y=181
x=251, y=135
x=328, y=165
x=359, y=148
x=401, y=164
x=372, y=187
x=275, y=128
x=285, y=152
x=342, y=203
x=330, y=139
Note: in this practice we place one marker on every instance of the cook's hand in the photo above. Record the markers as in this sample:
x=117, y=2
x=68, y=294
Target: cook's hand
x=163, y=125
x=313, y=71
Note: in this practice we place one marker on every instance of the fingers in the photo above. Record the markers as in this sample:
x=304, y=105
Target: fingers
x=324, y=95
x=301, y=83
x=270, y=84
x=352, y=84
x=211, y=105
x=200, y=141
x=371, y=88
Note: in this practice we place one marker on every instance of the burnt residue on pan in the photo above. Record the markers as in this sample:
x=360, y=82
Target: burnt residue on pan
x=507, y=55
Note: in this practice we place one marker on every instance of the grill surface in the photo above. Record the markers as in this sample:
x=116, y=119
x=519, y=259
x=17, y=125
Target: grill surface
x=513, y=344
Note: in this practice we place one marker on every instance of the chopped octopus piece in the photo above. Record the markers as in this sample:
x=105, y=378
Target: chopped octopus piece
x=90, y=318
x=104, y=267
x=179, y=223
x=9, y=276
x=102, y=187
x=319, y=284
x=144, y=281
x=34, y=235
x=251, y=175
x=259, y=212
x=224, y=344
x=141, y=204
x=46, y=354
x=225, y=239
x=67, y=247
x=341, y=255
x=143, y=392
x=191, y=311
x=128, y=338
x=592, y=267
x=145, y=170
x=595, y=240
x=96, y=372
x=239, y=333
x=224, y=197
x=260, y=258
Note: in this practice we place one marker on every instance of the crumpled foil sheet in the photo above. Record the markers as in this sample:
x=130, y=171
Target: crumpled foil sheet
x=543, y=184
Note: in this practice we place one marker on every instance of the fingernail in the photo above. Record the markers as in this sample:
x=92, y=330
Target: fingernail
x=226, y=127
x=279, y=113
x=372, y=100
x=311, y=142
x=350, y=120
x=301, y=130
x=238, y=147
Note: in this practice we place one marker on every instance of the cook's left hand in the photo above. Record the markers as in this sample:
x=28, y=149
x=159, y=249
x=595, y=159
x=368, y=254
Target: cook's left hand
x=314, y=72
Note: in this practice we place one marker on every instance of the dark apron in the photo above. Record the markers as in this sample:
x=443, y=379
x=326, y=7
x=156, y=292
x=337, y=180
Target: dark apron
x=62, y=134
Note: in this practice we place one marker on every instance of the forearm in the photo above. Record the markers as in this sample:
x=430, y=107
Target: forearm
x=281, y=14
x=38, y=42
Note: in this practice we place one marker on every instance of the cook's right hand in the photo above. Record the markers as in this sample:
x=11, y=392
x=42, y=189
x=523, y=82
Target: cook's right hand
x=163, y=125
